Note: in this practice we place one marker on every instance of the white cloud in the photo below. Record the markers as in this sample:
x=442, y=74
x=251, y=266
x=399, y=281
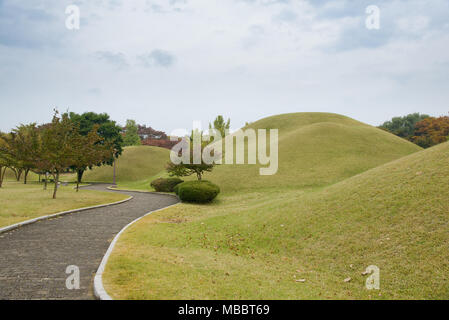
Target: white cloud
x=194, y=59
x=415, y=24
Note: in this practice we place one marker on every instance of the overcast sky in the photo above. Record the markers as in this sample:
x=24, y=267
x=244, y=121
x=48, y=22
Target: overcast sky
x=166, y=63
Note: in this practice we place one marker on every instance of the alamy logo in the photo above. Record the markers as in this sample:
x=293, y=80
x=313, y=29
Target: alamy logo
x=72, y=22
x=373, y=281
x=372, y=21
x=73, y=280
x=191, y=150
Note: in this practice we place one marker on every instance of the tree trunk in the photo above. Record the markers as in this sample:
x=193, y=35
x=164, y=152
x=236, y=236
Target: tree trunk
x=26, y=176
x=198, y=175
x=56, y=177
x=79, y=177
x=46, y=181
x=18, y=173
x=2, y=175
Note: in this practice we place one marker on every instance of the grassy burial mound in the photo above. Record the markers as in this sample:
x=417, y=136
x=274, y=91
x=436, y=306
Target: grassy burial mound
x=135, y=166
x=295, y=245
x=315, y=149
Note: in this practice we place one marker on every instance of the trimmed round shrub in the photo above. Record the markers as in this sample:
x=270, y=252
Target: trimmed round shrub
x=165, y=184
x=197, y=191
x=176, y=188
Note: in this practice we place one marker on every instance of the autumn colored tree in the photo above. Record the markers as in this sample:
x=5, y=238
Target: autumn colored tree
x=59, y=142
x=7, y=153
x=4, y=160
x=145, y=132
x=431, y=131
x=3, y=168
x=23, y=145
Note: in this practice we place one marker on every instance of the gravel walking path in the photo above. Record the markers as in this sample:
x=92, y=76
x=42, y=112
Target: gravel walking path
x=34, y=258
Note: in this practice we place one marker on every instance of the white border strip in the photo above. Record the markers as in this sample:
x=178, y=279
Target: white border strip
x=23, y=223
x=99, y=290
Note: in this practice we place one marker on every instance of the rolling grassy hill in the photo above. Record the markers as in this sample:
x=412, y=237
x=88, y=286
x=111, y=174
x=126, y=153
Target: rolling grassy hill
x=315, y=149
x=256, y=245
x=135, y=167
x=265, y=233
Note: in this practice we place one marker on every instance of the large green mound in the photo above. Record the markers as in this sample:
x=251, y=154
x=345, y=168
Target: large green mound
x=135, y=164
x=256, y=245
x=315, y=149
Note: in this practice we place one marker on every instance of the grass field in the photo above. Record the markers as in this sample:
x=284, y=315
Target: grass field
x=21, y=202
x=257, y=243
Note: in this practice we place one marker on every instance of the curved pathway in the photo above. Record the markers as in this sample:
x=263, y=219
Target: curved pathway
x=34, y=258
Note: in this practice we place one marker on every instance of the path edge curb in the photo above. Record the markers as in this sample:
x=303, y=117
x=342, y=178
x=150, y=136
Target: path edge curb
x=141, y=191
x=54, y=215
x=99, y=290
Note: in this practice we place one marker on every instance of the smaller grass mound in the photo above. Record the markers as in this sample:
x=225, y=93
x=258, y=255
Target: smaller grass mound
x=197, y=191
x=137, y=165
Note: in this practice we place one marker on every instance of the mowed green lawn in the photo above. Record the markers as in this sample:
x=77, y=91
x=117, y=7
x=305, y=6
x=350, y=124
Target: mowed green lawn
x=21, y=202
x=256, y=243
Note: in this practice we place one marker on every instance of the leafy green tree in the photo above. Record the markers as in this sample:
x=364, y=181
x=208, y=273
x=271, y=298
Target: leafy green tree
x=403, y=127
x=131, y=137
x=107, y=129
x=188, y=168
x=220, y=125
x=89, y=150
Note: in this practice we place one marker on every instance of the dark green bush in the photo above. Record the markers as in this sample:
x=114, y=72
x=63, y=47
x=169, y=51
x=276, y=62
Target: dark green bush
x=197, y=191
x=165, y=185
x=176, y=188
